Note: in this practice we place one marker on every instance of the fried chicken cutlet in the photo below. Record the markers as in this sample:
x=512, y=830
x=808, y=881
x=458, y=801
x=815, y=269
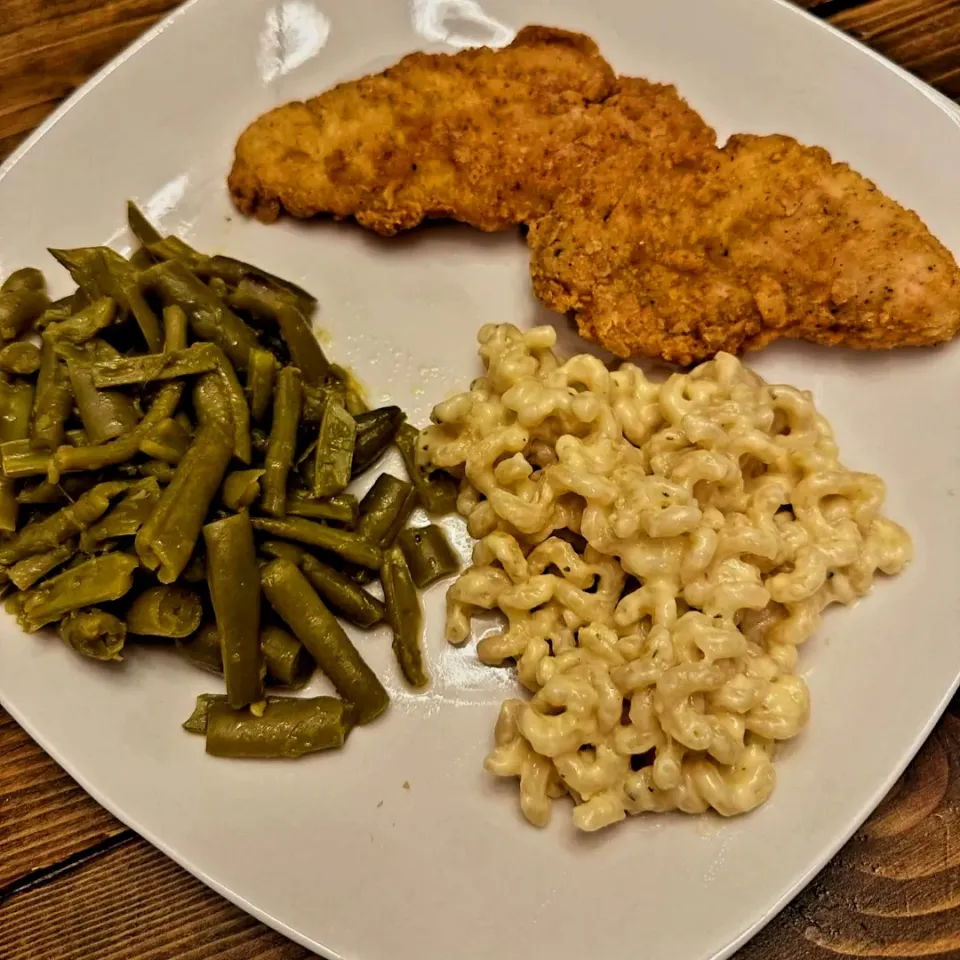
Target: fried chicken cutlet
x=734, y=248
x=487, y=137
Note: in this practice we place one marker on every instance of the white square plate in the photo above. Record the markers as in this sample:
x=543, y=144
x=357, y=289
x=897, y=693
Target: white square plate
x=333, y=851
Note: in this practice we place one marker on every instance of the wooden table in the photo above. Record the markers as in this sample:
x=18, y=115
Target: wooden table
x=77, y=885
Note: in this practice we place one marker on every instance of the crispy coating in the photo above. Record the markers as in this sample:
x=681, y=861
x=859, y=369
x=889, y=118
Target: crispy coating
x=731, y=249
x=488, y=137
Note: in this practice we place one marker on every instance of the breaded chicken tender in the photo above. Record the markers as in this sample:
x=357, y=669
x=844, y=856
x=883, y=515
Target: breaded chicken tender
x=487, y=137
x=731, y=249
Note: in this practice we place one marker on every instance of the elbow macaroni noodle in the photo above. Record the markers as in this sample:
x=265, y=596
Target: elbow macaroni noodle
x=658, y=551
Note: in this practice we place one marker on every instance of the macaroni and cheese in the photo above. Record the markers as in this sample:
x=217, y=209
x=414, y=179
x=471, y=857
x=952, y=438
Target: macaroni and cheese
x=658, y=551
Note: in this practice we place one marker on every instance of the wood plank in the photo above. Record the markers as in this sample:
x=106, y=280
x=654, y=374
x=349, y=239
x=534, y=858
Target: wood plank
x=921, y=35
x=45, y=817
x=48, y=49
x=134, y=903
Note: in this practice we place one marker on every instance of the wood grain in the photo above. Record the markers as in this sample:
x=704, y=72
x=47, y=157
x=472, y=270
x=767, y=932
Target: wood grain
x=76, y=885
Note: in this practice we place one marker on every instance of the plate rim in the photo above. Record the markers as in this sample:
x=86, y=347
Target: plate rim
x=824, y=855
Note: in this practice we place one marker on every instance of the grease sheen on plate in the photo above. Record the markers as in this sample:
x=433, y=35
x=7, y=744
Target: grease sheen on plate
x=473, y=880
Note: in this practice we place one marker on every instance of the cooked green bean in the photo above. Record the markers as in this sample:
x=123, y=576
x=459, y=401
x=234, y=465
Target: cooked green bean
x=334, y=453
x=166, y=541
x=85, y=324
x=102, y=272
x=405, y=616
x=140, y=226
x=165, y=440
x=16, y=406
x=20, y=357
x=42, y=535
x=9, y=505
x=385, y=509
x=175, y=328
x=197, y=721
x=26, y=278
x=209, y=317
x=93, y=351
x=429, y=556
x=167, y=611
x=61, y=309
x=344, y=543
x=151, y=367
x=233, y=579
x=437, y=490
x=53, y=401
x=94, y=633
x=341, y=508
x=315, y=399
x=376, y=430
x=261, y=373
x=347, y=598
x=288, y=728
x=99, y=580
x=278, y=306
x=260, y=440
x=283, y=440
x=19, y=309
x=242, y=441
x=291, y=595
x=19, y=459
x=288, y=662
x=126, y=518
x=28, y=571
x=241, y=489
x=234, y=271
x=203, y=649
x=353, y=398
x=281, y=550
x=45, y=493
x=106, y=414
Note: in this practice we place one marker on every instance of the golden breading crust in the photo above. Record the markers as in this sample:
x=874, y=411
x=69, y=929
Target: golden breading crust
x=488, y=137
x=731, y=249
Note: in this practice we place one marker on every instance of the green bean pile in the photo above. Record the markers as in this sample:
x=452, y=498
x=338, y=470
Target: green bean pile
x=176, y=447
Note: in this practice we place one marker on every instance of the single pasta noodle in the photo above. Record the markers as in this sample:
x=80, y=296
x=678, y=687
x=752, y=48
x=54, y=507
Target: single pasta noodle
x=657, y=551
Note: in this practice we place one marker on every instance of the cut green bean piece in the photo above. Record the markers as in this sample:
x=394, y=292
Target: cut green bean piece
x=19, y=459
x=233, y=578
x=291, y=595
x=261, y=373
x=287, y=660
x=9, y=505
x=106, y=414
x=376, y=430
x=16, y=407
x=209, y=317
x=96, y=581
x=149, y=368
x=241, y=489
x=437, y=490
x=405, y=616
x=334, y=453
x=26, y=278
x=53, y=401
x=265, y=303
x=341, y=508
x=242, y=441
x=429, y=556
x=160, y=470
x=94, y=633
x=197, y=721
x=281, y=550
x=42, y=535
x=126, y=518
x=385, y=509
x=85, y=325
x=315, y=399
x=175, y=329
x=167, y=611
x=28, y=571
x=140, y=226
x=166, y=440
x=344, y=543
x=19, y=310
x=347, y=598
x=288, y=728
x=20, y=357
x=283, y=440
x=203, y=649
x=45, y=493
x=167, y=539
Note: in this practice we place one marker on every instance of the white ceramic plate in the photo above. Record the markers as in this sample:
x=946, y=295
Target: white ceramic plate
x=333, y=851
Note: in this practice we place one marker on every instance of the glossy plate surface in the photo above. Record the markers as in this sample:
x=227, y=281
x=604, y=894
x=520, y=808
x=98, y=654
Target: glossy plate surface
x=333, y=850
